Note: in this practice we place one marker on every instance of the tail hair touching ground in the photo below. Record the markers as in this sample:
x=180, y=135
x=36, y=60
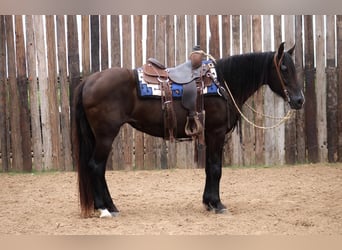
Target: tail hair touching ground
x=83, y=146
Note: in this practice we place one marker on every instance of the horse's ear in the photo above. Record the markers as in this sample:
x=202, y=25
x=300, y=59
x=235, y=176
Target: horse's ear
x=281, y=50
x=290, y=51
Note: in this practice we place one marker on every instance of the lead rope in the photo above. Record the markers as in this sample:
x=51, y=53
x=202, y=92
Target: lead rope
x=282, y=119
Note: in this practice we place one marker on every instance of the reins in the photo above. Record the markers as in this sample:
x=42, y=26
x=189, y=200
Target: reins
x=281, y=119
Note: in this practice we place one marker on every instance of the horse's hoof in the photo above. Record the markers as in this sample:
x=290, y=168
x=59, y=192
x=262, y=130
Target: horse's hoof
x=219, y=209
x=104, y=213
x=115, y=214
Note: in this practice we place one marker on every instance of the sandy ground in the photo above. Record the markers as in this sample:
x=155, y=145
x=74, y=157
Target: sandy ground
x=291, y=200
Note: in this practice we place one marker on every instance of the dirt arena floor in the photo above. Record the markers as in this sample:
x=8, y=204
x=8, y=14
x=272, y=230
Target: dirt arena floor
x=291, y=200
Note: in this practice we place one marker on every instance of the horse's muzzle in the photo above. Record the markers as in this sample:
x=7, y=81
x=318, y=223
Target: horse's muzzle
x=297, y=102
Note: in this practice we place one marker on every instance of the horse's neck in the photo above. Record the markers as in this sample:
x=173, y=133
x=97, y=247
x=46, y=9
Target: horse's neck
x=246, y=74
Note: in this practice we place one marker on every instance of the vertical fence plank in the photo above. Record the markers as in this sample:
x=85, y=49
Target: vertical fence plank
x=116, y=153
x=43, y=87
x=214, y=39
x=127, y=63
x=310, y=92
x=31, y=52
x=5, y=159
x=85, y=46
x=321, y=89
x=150, y=160
x=339, y=87
x=300, y=114
x=290, y=126
x=247, y=131
x=233, y=147
x=185, y=150
x=201, y=32
x=64, y=96
x=170, y=62
x=271, y=138
x=331, y=96
x=52, y=91
x=115, y=41
x=161, y=52
x=14, y=104
x=73, y=63
x=95, y=43
x=104, y=42
x=225, y=35
x=23, y=95
x=139, y=136
x=190, y=25
x=259, y=95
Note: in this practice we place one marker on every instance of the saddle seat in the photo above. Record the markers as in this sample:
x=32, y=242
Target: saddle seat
x=188, y=74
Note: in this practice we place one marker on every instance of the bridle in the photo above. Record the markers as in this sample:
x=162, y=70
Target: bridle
x=277, y=66
x=281, y=119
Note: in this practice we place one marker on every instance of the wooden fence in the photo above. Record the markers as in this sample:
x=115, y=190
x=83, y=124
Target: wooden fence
x=43, y=58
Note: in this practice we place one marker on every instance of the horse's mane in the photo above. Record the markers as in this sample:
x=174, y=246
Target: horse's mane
x=244, y=73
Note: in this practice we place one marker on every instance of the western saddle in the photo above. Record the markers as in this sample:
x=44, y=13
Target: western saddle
x=193, y=75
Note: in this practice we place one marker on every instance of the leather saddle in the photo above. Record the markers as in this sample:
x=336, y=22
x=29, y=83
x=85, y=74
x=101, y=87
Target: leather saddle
x=191, y=74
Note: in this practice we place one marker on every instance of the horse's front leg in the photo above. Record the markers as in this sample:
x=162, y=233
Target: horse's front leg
x=213, y=170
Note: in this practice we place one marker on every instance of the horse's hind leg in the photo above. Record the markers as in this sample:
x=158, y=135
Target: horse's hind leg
x=102, y=199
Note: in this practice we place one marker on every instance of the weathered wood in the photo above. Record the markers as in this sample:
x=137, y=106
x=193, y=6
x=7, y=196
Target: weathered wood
x=201, y=31
x=274, y=105
x=161, y=52
x=73, y=63
x=225, y=35
x=339, y=88
x=66, y=162
x=186, y=149
x=138, y=136
x=127, y=131
x=300, y=114
x=104, y=42
x=214, y=39
x=259, y=95
x=5, y=157
x=43, y=88
x=34, y=94
x=85, y=46
x=150, y=160
x=310, y=93
x=52, y=92
x=233, y=151
x=271, y=138
x=14, y=104
x=116, y=152
x=247, y=131
x=331, y=96
x=321, y=87
x=190, y=24
x=95, y=43
x=170, y=62
x=290, y=125
x=23, y=95
x=115, y=40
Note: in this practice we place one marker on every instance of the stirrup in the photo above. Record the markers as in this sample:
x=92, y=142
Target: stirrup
x=193, y=130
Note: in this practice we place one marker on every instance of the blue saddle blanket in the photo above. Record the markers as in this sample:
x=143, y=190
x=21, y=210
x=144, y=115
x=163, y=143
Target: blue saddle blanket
x=153, y=90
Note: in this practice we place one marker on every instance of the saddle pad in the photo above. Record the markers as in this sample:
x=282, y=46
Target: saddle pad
x=146, y=90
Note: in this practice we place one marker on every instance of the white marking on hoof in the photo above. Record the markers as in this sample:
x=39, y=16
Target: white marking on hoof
x=104, y=213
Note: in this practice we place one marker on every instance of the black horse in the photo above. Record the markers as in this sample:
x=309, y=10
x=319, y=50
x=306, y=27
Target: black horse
x=106, y=100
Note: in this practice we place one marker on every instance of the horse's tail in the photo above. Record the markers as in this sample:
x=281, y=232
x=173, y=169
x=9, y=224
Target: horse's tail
x=83, y=146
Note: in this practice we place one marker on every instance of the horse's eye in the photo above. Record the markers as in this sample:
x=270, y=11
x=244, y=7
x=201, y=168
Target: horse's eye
x=283, y=67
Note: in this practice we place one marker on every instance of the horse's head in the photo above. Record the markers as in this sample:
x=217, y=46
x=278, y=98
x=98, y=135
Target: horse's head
x=283, y=78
